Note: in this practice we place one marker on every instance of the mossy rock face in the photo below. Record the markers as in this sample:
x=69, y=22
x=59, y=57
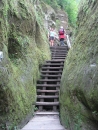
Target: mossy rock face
x=79, y=85
x=25, y=47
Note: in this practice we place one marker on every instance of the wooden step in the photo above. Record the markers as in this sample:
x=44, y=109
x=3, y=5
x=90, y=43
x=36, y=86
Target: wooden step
x=65, y=48
x=47, y=103
x=44, y=71
x=49, y=80
x=46, y=67
x=59, y=47
x=47, y=113
x=55, y=61
x=47, y=96
x=58, y=51
x=47, y=91
x=54, y=64
x=58, y=57
x=54, y=76
x=48, y=85
x=59, y=54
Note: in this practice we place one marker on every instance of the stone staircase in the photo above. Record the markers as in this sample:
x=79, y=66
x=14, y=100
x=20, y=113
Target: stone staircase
x=49, y=84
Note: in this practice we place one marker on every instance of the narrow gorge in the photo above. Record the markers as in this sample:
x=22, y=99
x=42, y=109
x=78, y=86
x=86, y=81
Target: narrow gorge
x=24, y=43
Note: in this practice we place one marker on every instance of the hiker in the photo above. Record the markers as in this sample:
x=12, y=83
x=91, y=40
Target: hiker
x=62, y=36
x=51, y=36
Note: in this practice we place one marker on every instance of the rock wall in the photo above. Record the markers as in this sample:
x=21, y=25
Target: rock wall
x=25, y=47
x=79, y=87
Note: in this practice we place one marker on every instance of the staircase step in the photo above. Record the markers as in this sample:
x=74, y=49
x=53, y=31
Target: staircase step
x=54, y=64
x=47, y=96
x=51, y=71
x=59, y=51
x=52, y=67
x=42, y=75
x=49, y=80
x=47, y=103
x=59, y=54
x=58, y=57
x=48, y=85
x=59, y=47
x=55, y=61
x=47, y=113
x=64, y=49
x=56, y=54
x=47, y=91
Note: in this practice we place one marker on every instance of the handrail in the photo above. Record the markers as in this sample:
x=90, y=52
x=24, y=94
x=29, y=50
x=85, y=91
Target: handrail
x=1, y=56
x=68, y=42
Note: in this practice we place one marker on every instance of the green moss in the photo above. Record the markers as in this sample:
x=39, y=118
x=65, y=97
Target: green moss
x=79, y=88
x=25, y=48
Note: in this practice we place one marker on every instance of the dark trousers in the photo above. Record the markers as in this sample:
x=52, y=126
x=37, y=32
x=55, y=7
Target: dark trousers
x=62, y=42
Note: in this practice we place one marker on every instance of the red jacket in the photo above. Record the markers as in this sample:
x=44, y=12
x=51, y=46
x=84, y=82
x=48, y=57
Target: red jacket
x=62, y=36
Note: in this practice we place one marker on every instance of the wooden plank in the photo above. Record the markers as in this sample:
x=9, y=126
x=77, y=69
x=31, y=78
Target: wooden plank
x=49, y=80
x=47, y=113
x=44, y=71
x=59, y=57
x=56, y=64
x=55, y=61
x=47, y=75
x=58, y=46
x=47, y=103
x=58, y=50
x=46, y=67
x=48, y=85
x=49, y=91
x=47, y=96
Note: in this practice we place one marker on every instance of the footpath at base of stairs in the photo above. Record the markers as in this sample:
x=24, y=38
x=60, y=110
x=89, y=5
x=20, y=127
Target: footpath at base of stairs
x=48, y=87
x=45, y=121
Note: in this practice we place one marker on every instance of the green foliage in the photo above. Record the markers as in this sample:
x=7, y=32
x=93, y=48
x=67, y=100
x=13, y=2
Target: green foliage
x=71, y=7
x=53, y=3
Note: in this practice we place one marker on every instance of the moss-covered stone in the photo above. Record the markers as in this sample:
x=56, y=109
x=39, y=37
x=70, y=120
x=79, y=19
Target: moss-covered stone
x=25, y=47
x=79, y=87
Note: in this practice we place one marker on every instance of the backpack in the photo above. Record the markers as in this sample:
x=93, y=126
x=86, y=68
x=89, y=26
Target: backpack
x=61, y=32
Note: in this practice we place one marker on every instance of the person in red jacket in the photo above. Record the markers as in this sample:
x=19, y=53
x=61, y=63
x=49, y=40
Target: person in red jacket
x=62, y=36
